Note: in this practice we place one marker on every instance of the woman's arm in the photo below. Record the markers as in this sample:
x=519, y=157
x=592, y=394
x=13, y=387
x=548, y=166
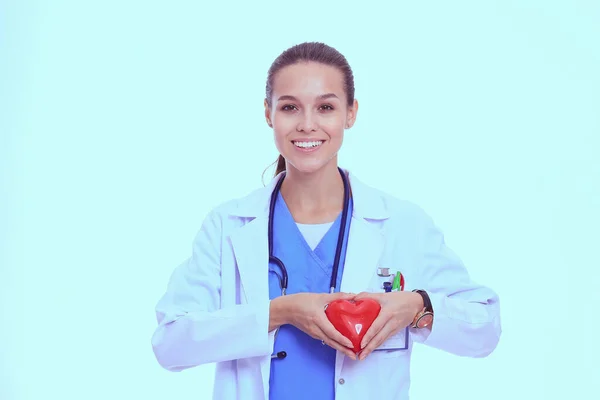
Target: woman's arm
x=466, y=314
x=193, y=329
x=278, y=313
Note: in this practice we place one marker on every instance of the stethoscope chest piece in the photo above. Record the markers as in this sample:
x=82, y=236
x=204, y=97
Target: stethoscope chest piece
x=279, y=355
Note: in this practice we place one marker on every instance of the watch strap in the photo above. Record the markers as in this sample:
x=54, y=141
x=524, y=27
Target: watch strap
x=426, y=299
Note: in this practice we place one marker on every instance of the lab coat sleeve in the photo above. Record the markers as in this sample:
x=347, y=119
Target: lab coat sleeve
x=466, y=314
x=193, y=329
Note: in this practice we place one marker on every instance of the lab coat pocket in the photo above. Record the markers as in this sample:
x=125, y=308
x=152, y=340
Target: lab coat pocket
x=391, y=353
x=396, y=345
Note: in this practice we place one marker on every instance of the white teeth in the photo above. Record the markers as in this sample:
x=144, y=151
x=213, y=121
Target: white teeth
x=305, y=145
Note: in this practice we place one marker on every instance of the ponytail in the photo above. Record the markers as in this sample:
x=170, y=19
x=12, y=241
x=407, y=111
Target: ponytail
x=280, y=165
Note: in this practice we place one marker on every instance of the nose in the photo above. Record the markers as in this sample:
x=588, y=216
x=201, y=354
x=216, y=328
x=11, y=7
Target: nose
x=307, y=123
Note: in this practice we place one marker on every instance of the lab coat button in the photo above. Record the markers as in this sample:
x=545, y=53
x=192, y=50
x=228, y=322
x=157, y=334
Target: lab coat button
x=342, y=381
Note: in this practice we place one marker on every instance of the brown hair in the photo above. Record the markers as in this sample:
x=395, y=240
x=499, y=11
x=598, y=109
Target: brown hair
x=307, y=52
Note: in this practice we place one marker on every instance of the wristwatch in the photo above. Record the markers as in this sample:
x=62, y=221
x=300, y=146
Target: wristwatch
x=424, y=318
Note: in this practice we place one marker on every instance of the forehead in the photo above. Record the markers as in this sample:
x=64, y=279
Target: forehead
x=309, y=79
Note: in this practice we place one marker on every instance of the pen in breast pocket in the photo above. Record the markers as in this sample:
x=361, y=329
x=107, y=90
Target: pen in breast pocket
x=398, y=284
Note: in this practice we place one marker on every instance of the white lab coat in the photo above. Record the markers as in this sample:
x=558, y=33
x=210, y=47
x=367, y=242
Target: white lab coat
x=216, y=308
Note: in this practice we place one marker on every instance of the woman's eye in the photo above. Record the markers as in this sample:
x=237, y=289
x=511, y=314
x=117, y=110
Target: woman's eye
x=326, y=107
x=288, y=107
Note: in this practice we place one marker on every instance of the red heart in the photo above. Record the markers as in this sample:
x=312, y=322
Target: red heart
x=353, y=318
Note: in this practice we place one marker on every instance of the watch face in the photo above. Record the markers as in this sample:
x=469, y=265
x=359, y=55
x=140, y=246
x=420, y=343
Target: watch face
x=425, y=320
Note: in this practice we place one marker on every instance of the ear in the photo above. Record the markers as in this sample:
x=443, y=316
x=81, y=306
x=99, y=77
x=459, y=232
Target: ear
x=268, y=114
x=351, y=115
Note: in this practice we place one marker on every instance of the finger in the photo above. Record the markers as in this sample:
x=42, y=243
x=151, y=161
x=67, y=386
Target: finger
x=334, y=344
x=376, y=341
x=374, y=329
x=367, y=295
x=327, y=327
x=341, y=296
x=337, y=296
x=363, y=295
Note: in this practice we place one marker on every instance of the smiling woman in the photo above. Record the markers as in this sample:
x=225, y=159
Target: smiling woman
x=269, y=264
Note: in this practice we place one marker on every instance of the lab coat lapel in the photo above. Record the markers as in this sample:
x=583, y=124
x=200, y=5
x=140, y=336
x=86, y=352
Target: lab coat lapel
x=365, y=240
x=251, y=251
x=365, y=246
x=250, y=243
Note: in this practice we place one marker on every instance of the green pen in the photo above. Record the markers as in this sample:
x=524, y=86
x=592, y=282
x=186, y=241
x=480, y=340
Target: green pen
x=396, y=284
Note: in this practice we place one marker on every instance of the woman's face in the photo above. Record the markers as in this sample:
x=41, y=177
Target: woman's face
x=309, y=112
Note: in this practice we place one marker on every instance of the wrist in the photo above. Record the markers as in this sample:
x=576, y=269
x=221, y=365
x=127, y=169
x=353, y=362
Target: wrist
x=418, y=302
x=279, y=312
x=424, y=317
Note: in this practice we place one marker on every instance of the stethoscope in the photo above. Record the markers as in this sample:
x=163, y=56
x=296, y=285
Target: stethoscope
x=283, y=279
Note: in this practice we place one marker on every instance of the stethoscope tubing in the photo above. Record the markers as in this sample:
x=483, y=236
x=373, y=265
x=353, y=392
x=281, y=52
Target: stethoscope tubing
x=283, y=279
x=340, y=242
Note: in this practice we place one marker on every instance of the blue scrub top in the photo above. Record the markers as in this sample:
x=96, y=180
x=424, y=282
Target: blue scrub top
x=308, y=371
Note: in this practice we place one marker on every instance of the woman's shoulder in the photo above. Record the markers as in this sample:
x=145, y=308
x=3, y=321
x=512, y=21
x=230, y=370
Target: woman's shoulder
x=394, y=207
x=246, y=205
x=228, y=215
x=404, y=211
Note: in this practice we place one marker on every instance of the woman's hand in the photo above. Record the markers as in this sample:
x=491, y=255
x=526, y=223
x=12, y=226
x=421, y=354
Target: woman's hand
x=398, y=310
x=306, y=311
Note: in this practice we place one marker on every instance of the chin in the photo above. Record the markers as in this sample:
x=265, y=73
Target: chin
x=310, y=166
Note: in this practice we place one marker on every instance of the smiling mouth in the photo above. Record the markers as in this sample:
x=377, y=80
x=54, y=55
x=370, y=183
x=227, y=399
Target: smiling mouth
x=308, y=145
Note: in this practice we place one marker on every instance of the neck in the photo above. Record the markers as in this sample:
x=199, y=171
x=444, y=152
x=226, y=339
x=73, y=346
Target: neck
x=316, y=197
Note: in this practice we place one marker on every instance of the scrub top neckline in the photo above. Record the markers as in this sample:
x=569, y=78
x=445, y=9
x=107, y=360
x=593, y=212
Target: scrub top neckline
x=316, y=225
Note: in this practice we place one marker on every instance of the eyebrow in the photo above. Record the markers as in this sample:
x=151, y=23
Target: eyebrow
x=321, y=97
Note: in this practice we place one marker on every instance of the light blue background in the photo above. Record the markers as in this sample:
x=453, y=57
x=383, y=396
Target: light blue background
x=124, y=122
